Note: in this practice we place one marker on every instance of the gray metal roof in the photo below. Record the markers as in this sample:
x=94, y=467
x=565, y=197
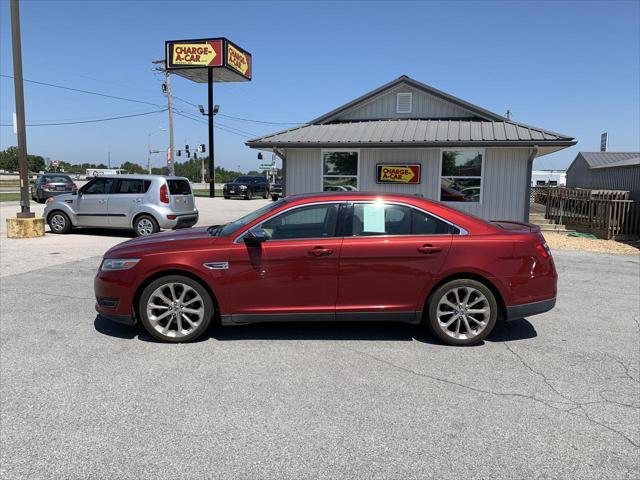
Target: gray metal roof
x=608, y=159
x=408, y=133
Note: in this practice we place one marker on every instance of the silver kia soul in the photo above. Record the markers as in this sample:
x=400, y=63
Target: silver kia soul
x=145, y=203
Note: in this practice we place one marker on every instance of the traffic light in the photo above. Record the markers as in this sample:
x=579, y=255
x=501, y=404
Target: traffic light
x=202, y=148
x=195, y=155
x=179, y=153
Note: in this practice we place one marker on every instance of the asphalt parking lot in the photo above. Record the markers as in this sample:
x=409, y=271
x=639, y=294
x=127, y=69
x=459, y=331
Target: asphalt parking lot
x=553, y=396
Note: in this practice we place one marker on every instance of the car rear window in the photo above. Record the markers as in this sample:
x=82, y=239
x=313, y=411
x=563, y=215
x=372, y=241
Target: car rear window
x=56, y=179
x=179, y=187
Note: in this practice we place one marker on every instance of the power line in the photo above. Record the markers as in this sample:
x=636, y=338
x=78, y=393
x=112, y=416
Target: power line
x=217, y=125
x=240, y=130
x=88, y=121
x=124, y=99
x=239, y=118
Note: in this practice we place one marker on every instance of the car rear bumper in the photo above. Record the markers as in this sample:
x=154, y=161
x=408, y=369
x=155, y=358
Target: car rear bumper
x=515, y=312
x=181, y=220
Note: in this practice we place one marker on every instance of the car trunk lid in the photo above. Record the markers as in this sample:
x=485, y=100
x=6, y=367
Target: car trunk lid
x=180, y=195
x=516, y=227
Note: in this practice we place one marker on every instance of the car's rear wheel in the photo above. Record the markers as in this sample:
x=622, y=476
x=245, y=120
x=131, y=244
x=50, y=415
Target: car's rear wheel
x=462, y=312
x=248, y=195
x=59, y=222
x=175, y=309
x=265, y=194
x=145, y=225
x=227, y=197
x=274, y=197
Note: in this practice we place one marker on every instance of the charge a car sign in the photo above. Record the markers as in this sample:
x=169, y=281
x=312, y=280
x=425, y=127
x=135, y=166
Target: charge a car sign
x=207, y=53
x=398, y=173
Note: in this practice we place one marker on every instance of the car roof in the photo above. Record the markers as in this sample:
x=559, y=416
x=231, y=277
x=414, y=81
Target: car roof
x=142, y=176
x=354, y=195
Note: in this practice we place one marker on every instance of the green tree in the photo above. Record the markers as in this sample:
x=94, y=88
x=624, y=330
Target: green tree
x=9, y=161
x=131, y=167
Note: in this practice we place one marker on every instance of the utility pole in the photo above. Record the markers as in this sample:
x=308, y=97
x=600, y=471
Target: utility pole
x=109, y=159
x=211, y=114
x=166, y=89
x=25, y=211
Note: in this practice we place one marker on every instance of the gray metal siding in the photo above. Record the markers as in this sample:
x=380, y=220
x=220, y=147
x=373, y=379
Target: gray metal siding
x=303, y=170
x=615, y=178
x=504, y=177
x=423, y=106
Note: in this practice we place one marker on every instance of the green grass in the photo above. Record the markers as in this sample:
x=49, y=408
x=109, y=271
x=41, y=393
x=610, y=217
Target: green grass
x=9, y=197
x=9, y=183
x=204, y=192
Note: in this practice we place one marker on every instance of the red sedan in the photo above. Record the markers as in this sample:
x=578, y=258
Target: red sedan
x=337, y=256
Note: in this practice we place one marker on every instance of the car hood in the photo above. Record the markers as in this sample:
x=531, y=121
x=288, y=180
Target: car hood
x=236, y=184
x=164, y=241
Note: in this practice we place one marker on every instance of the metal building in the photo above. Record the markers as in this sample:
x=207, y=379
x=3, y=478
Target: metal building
x=412, y=138
x=606, y=170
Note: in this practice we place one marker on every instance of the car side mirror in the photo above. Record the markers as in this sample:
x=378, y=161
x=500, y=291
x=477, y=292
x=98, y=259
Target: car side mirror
x=74, y=191
x=255, y=236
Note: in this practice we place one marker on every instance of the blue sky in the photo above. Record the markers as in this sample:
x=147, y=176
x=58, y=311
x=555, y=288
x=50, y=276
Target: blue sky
x=571, y=67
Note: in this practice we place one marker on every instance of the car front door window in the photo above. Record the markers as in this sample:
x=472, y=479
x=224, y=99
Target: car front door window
x=315, y=221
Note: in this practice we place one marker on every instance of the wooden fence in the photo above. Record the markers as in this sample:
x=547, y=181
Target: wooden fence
x=605, y=213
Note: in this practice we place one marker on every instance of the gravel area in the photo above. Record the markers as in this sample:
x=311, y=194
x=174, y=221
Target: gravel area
x=557, y=241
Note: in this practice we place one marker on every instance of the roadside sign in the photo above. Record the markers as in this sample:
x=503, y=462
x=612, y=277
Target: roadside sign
x=604, y=140
x=398, y=173
x=193, y=59
x=202, y=53
x=266, y=166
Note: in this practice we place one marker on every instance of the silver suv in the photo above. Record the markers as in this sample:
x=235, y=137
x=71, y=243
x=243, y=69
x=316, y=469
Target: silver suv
x=145, y=203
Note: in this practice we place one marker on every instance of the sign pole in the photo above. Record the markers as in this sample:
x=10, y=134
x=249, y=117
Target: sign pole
x=23, y=164
x=212, y=168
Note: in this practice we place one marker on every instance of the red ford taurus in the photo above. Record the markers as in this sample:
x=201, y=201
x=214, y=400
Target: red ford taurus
x=338, y=256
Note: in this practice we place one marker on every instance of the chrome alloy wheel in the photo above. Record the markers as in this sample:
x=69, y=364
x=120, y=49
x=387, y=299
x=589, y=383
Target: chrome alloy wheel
x=463, y=313
x=144, y=227
x=58, y=222
x=175, y=310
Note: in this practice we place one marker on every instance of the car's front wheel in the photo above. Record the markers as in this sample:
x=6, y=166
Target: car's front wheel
x=265, y=194
x=462, y=312
x=175, y=309
x=248, y=195
x=145, y=225
x=59, y=222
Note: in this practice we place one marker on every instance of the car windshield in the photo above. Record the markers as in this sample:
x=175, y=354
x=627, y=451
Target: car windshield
x=244, y=179
x=233, y=227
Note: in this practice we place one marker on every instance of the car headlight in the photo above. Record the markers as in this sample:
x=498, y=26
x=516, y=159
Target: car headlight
x=243, y=187
x=110, y=264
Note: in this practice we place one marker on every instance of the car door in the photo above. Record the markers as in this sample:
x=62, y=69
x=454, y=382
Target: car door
x=293, y=275
x=92, y=204
x=392, y=256
x=126, y=200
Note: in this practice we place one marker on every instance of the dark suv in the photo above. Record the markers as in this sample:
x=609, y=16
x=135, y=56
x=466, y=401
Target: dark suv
x=247, y=186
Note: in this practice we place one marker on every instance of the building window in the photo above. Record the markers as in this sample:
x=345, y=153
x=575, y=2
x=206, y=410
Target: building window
x=403, y=102
x=461, y=176
x=339, y=171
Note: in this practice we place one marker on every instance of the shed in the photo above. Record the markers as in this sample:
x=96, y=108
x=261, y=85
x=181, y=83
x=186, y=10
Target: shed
x=408, y=137
x=606, y=170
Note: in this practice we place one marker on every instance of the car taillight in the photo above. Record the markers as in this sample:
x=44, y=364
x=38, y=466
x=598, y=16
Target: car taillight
x=164, y=193
x=47, y=186
x=543, y=249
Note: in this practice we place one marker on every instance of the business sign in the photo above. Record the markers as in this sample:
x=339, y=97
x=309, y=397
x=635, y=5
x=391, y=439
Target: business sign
x=193, y=59
x=604, y=140
x=205, y=53
x=238, y=60
x=398, y=173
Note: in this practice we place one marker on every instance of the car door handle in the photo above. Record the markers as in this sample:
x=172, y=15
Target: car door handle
x=429, y=249
x=320, y=251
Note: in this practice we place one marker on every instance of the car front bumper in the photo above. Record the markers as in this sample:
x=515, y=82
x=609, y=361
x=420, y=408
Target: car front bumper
x=516, y=312
x=114, y=296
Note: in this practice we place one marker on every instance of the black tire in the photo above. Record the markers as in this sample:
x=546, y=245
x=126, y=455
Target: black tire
x=274, y=197
x=248, y=195
x=226, y=197
x=145, y=225
x=201, y=328
x=59, y=222
x=488, y=320
x=265, y=194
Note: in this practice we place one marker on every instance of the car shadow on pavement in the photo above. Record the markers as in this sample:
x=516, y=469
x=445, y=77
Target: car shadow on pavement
x=366, y=331
x=104, y=232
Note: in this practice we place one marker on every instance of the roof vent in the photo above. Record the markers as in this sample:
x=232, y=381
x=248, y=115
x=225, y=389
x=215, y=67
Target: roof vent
x=403, y=102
